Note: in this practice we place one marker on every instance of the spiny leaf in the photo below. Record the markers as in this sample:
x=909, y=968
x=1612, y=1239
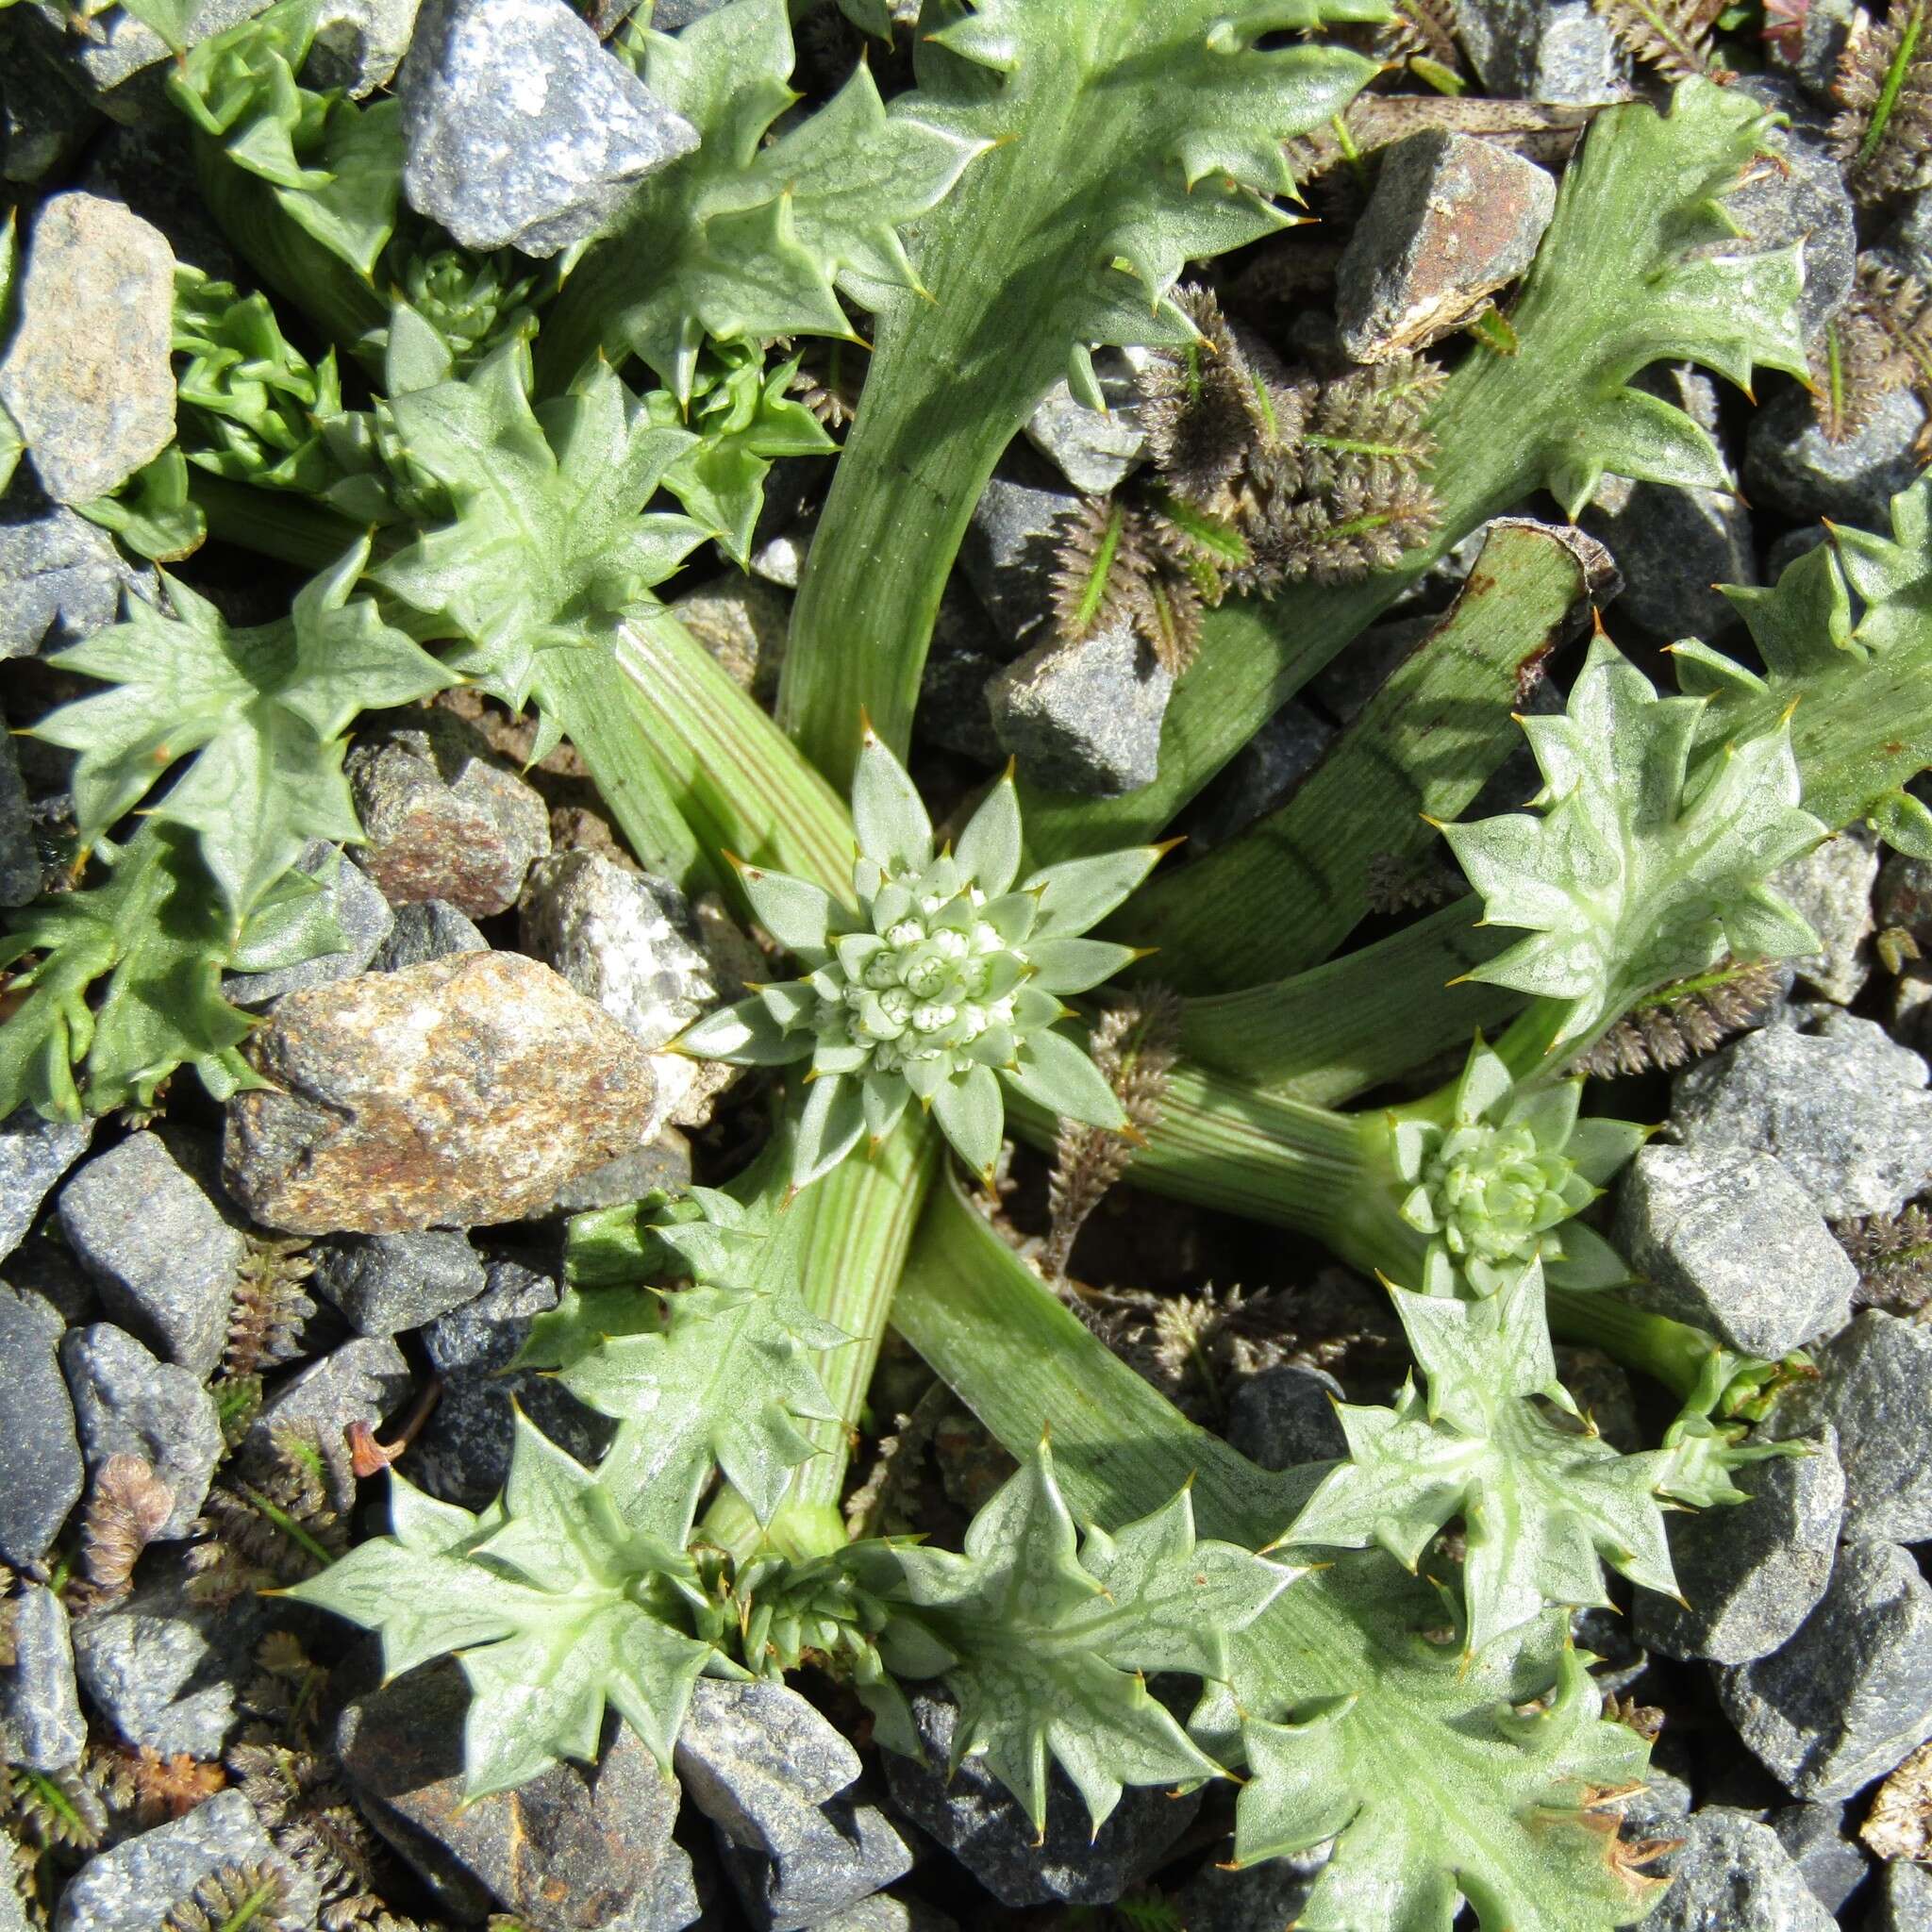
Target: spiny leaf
x=1639, y=870
x=1051, y=1636
x=558, y=1598
x=747, y=239
x=259, y=714
x=728, y=1370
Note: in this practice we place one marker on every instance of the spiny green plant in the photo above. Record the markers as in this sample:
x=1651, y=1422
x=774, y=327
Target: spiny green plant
x=1038, y=192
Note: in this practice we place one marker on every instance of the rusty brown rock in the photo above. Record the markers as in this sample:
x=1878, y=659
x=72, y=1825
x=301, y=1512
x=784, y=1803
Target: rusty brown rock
x=444, y=818
x=1451, y=221
x=455, y=1093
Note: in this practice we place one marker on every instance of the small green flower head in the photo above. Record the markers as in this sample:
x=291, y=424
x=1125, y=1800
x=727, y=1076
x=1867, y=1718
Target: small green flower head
x=1494, y=1184
x=943, y=984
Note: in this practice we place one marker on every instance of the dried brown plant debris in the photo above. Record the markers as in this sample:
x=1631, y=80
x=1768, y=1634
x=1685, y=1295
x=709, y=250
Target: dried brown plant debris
x=1546, y=134
x=1883, y=137
x=270, y=1307
x=54, y=1807
x=256, y=1896
x=1409, y=885
x=313, y=1824
x=1192, y=1348
x=1134, y=1043
x=1121, y=562
x=1899, y=1825
x=138, y=1783
x=1878, y=345
x=1681, y=1021
x=883, y=1504
x=1672, y=36
x=263, y=1530
x=1422, y=30
x=1892, y=1254
x=124, y=1512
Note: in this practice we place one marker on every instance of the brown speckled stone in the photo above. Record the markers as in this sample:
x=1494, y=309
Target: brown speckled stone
x=456, y=1093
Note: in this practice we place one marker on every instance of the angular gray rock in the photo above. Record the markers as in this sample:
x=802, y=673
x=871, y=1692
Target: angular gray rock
x=571, y=1849
x=360, y=1381
x=1729, y=1242
x=752, y=1756
x=743, y=625
x=1733, y=1875
x=1851, y=1694
x=882, y=1912
x=40, y=1470
x=116, y=65
x=384, y=1283
x=1286, y=1416
x=663, y=1167
x=42, y=1727
x=21, y=873
x=1085, y=717
x=359, y=45
x=1673, y=547
x=445, y=818
x=964, y=657
x=1843, y=1109
x=1750, y=1574
x=43, y=123
x=840, y=1855
x=131, y=1886
x=1792, y=467
x=62, y=578
x=629, y=942
x=422, y=930
x=522, y=130
x=1833, y=1862
x=1796, y=193
x=34, y=1154
x=976, y=1819
x=87, y=377
x=1008, y=554
x=1904, y=1903
x=126, y=1402
x=1874, y=1388
x=360, y=912
x=462, y=1092
x=1259, y=1898
x=1831, y=885
x=165, y=1259
x=1556, y=51
x=162, y=1669
x=1095, y=450
x=1452, y=219
x=463, y=1452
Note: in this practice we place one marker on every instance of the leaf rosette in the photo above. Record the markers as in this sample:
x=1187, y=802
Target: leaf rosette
x=946, y=982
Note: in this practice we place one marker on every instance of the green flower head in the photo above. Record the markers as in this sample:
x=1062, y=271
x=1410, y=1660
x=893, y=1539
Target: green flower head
x=943, y=984
x=1494, y=1184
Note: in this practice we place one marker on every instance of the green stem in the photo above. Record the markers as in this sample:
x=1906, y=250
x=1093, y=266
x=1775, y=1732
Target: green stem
x=271, y=523
x=1672, y=1352
x=862, y=1217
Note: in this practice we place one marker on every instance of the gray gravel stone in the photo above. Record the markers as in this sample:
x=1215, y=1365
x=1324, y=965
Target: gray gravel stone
x=62, y=578
x=165, y=1259
x=1452, y=219
x=743, y=625
x=132, y=1886
x=882, y=1912
x=1259, y=1898
x=663, y=1167
x=567, y=1851
x=752, y=1756
x=1751, y=1573
x=1544, y=50
x=43, y=123
x=1733, y=1875
x=42, y=1727
x=976, y=1819
x=361, y=913
x=1791, y=466
x=1007, y=555
x=835, y=1857
x=40, y=1470
x=463, y=1453
x=1602, y=1392
x=387, y=1282
x=1084, y=718
x=1094, y=450
x=1287, y=1416
x=1675, y=547
x=20, y=857
x=424, y=930
x=162, y=1667
x=630, y=943
x=362, y=1381
x=1831, y=885
x=34, y=1154
x=1262, y=774
x=1875, y=1389
x=118, y=63
x=1910, y=237
x=1904, y=1901
x=359, y=45
x=1727, y=1241
x=87, y=377
x=444, y=816
x=1834, y=1864
x=1851, y=1693
x=522, y=130
x=964, y=659
x=1843, y=1109
x=1795, y=192
x=126, y=1402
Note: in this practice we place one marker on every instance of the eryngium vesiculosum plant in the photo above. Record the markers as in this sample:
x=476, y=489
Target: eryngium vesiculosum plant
x=503, y=493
